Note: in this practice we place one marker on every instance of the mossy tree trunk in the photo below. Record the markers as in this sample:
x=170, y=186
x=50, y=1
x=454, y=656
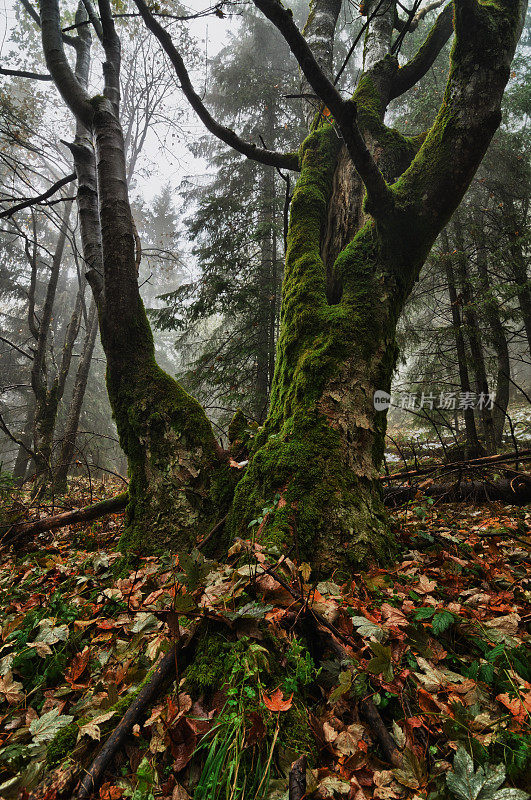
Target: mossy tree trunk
x=175, y=463
x=351, y=264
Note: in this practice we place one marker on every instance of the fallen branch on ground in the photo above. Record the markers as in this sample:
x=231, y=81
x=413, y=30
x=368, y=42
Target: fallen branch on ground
x=515, y=491
x=163, y=673
x=86, y=514
x=484, y=461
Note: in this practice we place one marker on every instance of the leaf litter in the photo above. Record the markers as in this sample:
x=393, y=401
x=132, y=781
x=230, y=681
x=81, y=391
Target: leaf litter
x=439, y=642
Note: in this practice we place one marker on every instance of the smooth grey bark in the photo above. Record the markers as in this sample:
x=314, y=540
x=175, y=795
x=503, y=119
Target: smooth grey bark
x=68, y=445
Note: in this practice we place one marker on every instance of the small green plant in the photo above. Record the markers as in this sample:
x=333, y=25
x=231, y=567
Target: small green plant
x=234, y=769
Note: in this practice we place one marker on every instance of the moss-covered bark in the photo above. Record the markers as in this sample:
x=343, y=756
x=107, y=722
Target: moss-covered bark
x=322, y=443
x=351, y=264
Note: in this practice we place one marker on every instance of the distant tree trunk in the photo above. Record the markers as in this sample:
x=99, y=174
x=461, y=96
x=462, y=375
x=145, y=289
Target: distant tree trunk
x=519, y=266
x=23, y=458
x=473, y=445
x=497, y=335
x=474, y=338
x=66, y=453
x=266, y=222
x=47, y=390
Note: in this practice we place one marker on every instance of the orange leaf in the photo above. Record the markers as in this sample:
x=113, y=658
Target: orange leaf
x=276, y=701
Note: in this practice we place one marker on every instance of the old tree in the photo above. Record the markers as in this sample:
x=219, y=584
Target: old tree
x=368, y=205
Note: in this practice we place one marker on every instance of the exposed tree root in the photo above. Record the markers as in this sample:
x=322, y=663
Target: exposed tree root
x=297, y=779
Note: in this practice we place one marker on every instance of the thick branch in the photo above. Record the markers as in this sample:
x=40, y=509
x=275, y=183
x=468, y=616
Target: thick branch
x=32, y=201
x=417, y=67
x=269, y=157
x=74, y=95
x=344, y=111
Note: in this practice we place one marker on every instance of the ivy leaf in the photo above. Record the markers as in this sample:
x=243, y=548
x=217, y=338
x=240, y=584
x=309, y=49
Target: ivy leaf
x=482, y=784
x=381, y=664
x=45, y=728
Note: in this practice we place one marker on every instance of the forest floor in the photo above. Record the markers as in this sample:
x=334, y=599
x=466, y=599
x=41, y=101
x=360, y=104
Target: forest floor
x=439, y=643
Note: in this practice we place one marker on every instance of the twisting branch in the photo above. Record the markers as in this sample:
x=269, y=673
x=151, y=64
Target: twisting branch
x=33, y=201
x=269, y=157
x=343, y=111
x=417, y=67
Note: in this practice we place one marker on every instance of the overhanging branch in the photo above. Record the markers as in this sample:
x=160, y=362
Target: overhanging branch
x=32, y=201
x=417, y=67
x=269, y=157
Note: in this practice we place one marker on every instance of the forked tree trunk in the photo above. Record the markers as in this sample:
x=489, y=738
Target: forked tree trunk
x=322, y=443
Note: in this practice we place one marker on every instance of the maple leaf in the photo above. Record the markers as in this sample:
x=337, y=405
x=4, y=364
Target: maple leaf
x=45, y=728
x=482, y=784
x=381, y=664
x=276, y=702
x=10, y=689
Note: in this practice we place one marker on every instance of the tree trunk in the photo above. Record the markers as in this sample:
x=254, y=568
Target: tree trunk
x=23, y=457
x=323, y=441
x=473, y=445
x=520, y=270
x=173, y=458
x=497, y=335
x=47, y=393
x=474, y=340
x=80, y=384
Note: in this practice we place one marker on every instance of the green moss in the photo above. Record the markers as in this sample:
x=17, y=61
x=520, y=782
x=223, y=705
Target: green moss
x=64, y=744
x=170, y=447
x=335, y=514
x=212, y=664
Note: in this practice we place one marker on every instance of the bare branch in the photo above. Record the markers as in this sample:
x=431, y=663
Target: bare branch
x=22, y=73
x=269, y=157
x=344, y=111
x=417, y=67
x=16, y=347
x=32, y=201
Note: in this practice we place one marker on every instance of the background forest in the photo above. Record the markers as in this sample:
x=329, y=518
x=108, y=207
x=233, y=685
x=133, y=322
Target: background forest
x=212, y=232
